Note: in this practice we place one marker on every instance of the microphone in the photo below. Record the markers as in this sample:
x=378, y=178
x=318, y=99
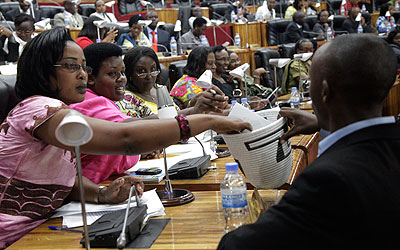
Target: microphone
x=146, y=4
x=144, y=22
x=215, y=23
x=121, y=241
x=160, y=45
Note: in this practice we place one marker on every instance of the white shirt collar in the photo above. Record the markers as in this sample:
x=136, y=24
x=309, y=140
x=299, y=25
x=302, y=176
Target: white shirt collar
x=331, y=139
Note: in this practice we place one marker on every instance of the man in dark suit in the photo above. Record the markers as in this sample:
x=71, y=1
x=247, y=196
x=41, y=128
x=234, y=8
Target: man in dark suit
x=348, y=198
x=295, y=29
x=351, y=25
x=156, y=35
x=24, y=7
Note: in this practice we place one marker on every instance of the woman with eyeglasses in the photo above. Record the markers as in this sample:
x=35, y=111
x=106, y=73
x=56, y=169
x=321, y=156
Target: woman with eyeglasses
x=14, y=41
x=142, y=70
x=38, y=172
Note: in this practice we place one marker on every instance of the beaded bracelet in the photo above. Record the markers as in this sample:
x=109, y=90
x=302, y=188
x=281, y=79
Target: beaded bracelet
x=183, y=127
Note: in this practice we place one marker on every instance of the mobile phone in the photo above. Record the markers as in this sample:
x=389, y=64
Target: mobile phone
x=148, y=171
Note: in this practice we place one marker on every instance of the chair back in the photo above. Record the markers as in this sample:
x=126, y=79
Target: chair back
x=276, y=31
x=311, y=21
x=85, y=9
x=8, y=97
x=261, y=58
x=7, y=6
x=176, y=71
x=49, y=11
x=338, y=22
x=164, y=76
x=220, y=10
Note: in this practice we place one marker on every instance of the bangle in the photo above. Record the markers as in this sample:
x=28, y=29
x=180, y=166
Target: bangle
x=184, y=127
x=97, y=194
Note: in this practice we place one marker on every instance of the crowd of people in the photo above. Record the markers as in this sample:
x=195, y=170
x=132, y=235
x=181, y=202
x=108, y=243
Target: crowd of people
x=116, y=93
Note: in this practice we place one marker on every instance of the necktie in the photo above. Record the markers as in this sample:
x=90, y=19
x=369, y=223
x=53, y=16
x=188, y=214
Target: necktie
x=154, y=42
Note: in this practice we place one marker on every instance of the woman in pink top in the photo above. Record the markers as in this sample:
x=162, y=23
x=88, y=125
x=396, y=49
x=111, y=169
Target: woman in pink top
x=37, y=172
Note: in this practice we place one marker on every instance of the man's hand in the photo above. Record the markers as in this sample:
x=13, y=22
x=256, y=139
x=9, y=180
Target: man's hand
x=301, y=122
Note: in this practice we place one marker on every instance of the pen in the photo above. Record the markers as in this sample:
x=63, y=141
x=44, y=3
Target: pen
x=65, y=229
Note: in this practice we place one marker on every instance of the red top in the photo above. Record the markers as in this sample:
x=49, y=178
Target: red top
x=83, y=41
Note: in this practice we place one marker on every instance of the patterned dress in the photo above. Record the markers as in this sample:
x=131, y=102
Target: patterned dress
x=184, y=90
x=35, y=177
x=135, y=106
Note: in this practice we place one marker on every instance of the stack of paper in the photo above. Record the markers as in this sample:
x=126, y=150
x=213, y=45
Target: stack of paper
x=72, y=215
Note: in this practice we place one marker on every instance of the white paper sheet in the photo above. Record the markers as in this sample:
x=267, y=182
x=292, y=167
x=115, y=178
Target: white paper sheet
x=243, y=113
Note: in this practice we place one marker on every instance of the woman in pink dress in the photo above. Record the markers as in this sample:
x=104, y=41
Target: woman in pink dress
x=37, y=172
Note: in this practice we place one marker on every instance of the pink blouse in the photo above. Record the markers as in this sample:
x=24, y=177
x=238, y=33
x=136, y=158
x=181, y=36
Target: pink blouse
x=99, y=168
x=35, y=177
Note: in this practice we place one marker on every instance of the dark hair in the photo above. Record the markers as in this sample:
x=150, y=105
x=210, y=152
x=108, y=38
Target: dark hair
x=89, y=30
x=300, y=42
x=35, y=65
x=198, y=22
x=96, y=53
x=391, y=35
x=132, y=57
x=319, y=14
x=384, y=8
x=347, y=66
x=296, y=4
x=96, y=2
x=219, y=48
x=20, y=18
x=135, y=19
x=196, y=62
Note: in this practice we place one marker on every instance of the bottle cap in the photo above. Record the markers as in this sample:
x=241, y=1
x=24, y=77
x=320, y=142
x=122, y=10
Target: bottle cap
x=233, y=102
x=172, y=37
x=244, y=99
x=231, y=166
x=294, y=88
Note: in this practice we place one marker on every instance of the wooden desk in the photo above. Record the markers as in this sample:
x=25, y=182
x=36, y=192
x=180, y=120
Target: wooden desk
x=391, y=105
x=197, y=225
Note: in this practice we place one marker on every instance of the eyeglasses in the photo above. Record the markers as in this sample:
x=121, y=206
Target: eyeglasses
x=73, y=67
x=24, y=31
x=152, y=74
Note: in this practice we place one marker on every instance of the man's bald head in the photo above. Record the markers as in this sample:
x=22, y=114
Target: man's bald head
x=359, y=70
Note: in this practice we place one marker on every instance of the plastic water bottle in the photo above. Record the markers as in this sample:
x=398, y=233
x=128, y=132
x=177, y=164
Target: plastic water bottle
x=360, y=28
x=234, y=198
x=204, y=41
x=342, y=10
x=363, y=8
x=387, y=27
x=396, y=5
x=245, y=103
x=309, y=11
x=233, y=102
x=67, y=23
x=142, y=42
x=173, y=46
x=233, y=16
x=237, y=40
x=329, y=34
x=295, y=98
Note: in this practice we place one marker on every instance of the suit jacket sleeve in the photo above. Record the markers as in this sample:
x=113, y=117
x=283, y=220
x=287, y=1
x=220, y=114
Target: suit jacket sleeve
x=292, y=33
x=298, y=221
x=348, y=26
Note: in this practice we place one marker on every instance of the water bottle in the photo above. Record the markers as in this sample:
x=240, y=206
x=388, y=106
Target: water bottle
x=363, y=8
x=142, y=41
x=360, y=28
x=204, y=41
x=342, y=10
x=233, y=16
x=329, y=35
x=386, y=29
x=396, y=5
x=245, y=103
x=309, y=11
x=67, y=23
x=233, y=102
x=234, y=198
x=295, y=98
x=237, y=40
x=173, y=46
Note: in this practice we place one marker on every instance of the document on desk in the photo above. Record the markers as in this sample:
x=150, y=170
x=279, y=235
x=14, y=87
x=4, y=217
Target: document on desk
x=72, y=216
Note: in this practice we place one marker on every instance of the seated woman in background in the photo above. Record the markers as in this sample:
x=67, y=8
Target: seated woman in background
x=221, y=77
x=15, y=41
x=255, y=85
x=385, y=23
x=394, y=41
x=101, y=12
x=37, y=172
x=297, y=5
x=185, y=91
x=297, y=69
x=323, y=23
x=135, y=37
x=88, y=35
x=142, y=70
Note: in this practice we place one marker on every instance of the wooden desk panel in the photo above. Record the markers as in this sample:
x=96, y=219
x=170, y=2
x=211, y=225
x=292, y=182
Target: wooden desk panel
x=197, y=225
x=391, y=107
x=253, y=33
